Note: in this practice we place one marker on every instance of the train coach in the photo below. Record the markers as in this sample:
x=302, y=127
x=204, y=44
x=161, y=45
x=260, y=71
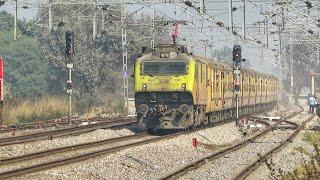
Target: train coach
x=178, y=90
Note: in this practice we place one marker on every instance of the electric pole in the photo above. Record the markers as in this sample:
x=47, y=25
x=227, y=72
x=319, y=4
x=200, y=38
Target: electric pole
x=15, y=20
x=291, y=66
x=201, y=6
x=318, y=47
x=50, y=16
x=103, y=19
x=267, y=31
x=124, y=59
x=244, y=20
x=152, y=26
x=94, y=25
x=230, y=15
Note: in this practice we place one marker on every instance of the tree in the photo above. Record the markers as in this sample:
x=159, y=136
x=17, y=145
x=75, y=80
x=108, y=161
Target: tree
x=25, y=69
x=98, y=62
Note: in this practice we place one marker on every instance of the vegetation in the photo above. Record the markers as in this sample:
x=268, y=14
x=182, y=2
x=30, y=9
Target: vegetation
x=34, y=109
x=25, y=69
x=35, y=66
x=308, y=170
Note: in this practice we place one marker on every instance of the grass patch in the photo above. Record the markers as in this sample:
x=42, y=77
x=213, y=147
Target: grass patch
x=44, y=108
x=311, y=169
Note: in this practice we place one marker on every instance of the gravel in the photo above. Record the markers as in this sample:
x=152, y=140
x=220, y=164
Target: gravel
x=287, y=159
x=143, y=162
x=26, y=148
x=229, y=165
x=149, y=160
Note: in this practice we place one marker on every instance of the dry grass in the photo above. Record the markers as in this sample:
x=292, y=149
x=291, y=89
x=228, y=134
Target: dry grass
x=307, y=170
x=32, y=110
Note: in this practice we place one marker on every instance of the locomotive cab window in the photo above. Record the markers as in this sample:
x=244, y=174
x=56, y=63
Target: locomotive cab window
x=164, y=67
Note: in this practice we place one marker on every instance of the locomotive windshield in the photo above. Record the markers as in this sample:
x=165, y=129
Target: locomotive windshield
x=163, y=68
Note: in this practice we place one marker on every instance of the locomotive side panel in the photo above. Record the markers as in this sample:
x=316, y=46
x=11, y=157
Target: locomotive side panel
x=199, y=87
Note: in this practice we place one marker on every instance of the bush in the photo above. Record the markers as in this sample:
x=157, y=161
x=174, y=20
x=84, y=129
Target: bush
x=44, y=108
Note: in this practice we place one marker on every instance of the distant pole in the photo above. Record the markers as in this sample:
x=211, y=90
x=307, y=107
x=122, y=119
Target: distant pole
x=94, y=23
x=15, y=20
x=312, y=85
x=318, y=48
x=70, y=98
x=230, y=15
x=244, y=20
x=124, y=59
x=50, y=16
x=103, y=19
x=201, y=6
x=267, y=31
x=291, y=66
x=152, y=26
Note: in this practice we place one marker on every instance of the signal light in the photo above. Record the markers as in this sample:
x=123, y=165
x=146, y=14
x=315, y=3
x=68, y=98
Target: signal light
x=237, y=53
x=309, y=4
x=2, y=2
x=237, y=87
x=69, y=44
x=69, y=84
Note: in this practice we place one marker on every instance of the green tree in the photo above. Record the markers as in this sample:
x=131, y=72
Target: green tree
x=98, y=63
x=25, y=67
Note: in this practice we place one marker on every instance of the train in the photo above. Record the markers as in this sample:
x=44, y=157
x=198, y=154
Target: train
x=177, y=90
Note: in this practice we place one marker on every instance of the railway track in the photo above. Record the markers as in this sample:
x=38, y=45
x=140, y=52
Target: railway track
x=30, y=163
x=39, y=124
x=194, y=165
x=117, y=122
x=257, y=162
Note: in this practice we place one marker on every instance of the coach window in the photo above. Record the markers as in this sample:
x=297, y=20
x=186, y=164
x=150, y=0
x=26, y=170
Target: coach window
x=201, y=72
x=217, y=82
x=205, y=73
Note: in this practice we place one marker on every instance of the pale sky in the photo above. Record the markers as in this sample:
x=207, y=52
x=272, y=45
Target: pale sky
x=218, y=8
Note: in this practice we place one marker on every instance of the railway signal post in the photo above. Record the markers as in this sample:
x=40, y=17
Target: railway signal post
x=69, y=53
x=236, y=54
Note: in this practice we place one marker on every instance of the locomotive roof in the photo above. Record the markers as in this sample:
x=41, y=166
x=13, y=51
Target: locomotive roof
x=227, y=66
x=219, y=65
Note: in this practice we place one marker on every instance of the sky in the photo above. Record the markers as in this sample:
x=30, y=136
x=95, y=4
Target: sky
x=193, y=34
x=28, y=14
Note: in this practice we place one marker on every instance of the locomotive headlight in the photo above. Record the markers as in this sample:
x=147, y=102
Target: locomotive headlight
x=184, y=108
x=183, y=86
x=164, y=55
x=144, y=87
x=143, y=109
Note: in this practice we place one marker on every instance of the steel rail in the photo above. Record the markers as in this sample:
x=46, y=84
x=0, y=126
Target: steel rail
x=257, y=162
x=47, y=165
x=199, y=162
x=65, y=131
x=40, y=154
x=37, y=124
x=85, y=156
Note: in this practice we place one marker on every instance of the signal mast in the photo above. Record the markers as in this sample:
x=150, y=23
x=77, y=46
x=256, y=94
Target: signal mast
x=69, y=53
x=237, y=60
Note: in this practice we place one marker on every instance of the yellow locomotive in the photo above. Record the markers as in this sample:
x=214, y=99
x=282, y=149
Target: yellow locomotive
x=177, y=90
